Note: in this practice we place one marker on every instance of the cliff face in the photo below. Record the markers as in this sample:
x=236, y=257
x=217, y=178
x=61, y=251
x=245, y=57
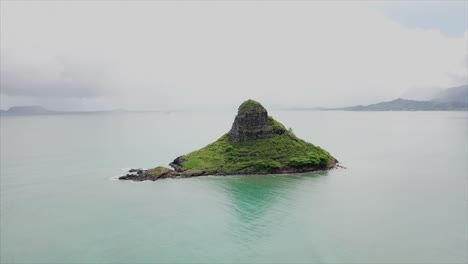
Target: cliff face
x=252, y=122
x=256, y=144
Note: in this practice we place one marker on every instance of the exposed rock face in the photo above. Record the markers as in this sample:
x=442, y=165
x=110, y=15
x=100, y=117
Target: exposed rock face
x=177, y=163
x=252, y=122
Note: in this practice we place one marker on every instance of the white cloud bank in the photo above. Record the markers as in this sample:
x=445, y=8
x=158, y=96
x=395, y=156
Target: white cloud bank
x=156, y=55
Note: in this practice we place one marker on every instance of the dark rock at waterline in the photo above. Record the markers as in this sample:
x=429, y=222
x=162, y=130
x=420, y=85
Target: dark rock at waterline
x=177, y=163
x=159, y=173
x=138, y=171
x=192, y=173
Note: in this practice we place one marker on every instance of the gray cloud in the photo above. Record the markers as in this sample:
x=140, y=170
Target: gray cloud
x=173, y=55
x=57, y=77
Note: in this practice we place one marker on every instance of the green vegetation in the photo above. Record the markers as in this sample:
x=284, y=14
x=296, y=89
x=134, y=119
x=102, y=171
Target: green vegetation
x=276, y=127
x=279, y=153
x=158, y=171
x=248, y=106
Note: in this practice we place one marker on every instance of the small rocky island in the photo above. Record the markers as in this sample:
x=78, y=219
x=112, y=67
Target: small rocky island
x=256, y=144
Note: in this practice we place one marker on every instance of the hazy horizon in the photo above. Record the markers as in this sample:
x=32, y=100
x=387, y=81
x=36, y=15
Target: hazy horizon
x=76, y=56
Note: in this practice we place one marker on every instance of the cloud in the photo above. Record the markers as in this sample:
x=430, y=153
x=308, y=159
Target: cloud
x=153, y=55
x=51, y=77
x=450, y=17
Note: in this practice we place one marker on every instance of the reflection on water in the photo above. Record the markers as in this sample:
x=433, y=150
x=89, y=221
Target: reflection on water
x=260, y=202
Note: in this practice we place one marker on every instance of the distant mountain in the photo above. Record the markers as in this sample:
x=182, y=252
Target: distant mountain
x=450, y=99
x=455, y=94
x=452, y=94
x=39, y=110
x=409, y=105
x=29, y=110
x=420, y=93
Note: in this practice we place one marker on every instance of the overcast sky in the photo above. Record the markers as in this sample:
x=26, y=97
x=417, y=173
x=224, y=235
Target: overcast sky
x=155, y=55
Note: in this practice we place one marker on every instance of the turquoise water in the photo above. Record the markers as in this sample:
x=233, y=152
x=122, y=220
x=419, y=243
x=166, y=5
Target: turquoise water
x=402, y=198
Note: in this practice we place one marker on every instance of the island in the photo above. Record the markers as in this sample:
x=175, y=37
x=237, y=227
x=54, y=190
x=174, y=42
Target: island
x=26, y=110
x=256, y=144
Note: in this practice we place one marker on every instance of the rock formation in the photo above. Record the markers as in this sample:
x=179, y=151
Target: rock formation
x=252, y=122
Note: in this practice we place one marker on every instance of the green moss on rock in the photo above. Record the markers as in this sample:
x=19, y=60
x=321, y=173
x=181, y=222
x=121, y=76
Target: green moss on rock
x=249, y=106
x=158, y=171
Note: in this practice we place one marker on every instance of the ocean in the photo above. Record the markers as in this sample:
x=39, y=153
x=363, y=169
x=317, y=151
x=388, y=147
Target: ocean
x=401, y=198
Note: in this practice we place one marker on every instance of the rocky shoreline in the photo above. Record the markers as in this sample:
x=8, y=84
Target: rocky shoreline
x=158, y=173
x=167, y=173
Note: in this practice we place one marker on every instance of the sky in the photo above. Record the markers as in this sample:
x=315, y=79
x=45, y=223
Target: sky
x=158, y=55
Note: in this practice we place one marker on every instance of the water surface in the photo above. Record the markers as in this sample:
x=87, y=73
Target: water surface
x=402, y=198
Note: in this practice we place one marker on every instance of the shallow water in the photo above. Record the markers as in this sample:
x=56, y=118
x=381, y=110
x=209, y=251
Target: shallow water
x=402, y=199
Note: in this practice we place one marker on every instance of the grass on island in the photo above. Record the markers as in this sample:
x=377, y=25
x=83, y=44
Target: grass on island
x=263, y=155
x=249, y=106
x=158, y=171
